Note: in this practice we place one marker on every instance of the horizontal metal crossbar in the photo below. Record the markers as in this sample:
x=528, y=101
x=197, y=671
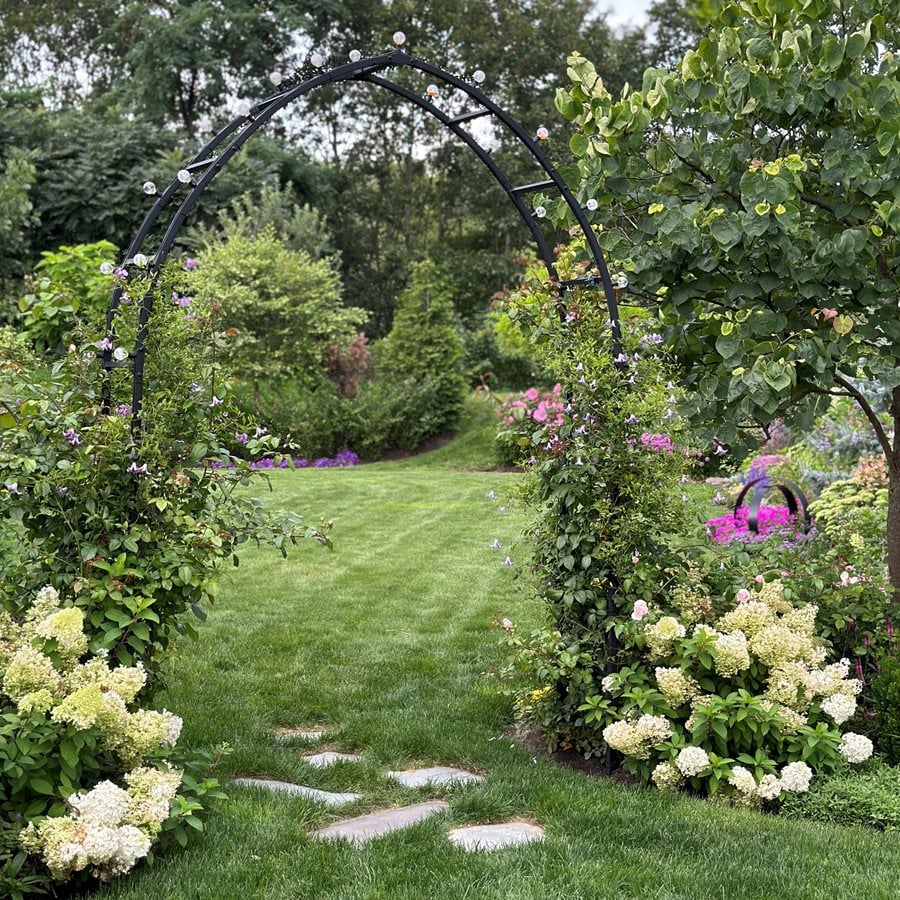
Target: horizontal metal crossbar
x=588, y=281
x=468, y=116
x=534, y=186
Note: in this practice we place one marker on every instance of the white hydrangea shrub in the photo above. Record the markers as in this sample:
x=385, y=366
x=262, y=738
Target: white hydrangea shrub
x=109, y=827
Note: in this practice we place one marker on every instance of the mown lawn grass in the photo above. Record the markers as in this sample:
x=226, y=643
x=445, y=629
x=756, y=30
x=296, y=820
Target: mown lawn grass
x=389, y=641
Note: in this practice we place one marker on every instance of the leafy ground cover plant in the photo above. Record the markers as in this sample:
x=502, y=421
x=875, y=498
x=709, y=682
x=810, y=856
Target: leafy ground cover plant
x=870, y=797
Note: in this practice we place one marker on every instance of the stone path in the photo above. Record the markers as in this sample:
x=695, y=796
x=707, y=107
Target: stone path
x=440, y=775
x=329, y=758
x=495, y=837
x=286, y=733
x=372, y=825
x=298, y=790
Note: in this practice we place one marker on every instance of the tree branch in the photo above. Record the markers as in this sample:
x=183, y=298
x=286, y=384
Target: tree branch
x=871, y=415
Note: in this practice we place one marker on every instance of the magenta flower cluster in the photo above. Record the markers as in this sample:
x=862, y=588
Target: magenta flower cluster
x=544, y=407
x=658, y=442
x=735, y=526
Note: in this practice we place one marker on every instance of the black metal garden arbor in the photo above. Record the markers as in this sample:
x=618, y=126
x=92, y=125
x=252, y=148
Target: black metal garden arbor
x=191, y=181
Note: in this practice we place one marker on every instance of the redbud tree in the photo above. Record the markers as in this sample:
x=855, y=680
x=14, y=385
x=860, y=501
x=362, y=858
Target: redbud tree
x=753, y=196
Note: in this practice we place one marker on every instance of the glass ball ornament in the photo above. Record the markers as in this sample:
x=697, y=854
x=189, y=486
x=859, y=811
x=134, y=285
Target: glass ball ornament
x=592, y=204
x=355, y=56
x=542, y=134
x=317, y=60
x=399, y=38
x=621, y=281
x=478, y=76
x=540, y=212
x=141, y=261
x=107, y=268
x=276, y=78
x=184, y=176
x=149, y=188
x=120, y=354
x=431, y=91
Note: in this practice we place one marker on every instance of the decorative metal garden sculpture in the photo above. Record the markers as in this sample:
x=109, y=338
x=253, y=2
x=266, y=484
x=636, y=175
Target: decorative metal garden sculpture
x=191, y=181
x=794, y=497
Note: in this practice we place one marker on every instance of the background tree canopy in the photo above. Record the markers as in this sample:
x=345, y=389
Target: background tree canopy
x=98, y=97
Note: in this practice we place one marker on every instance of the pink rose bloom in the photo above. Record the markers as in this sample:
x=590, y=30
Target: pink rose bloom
x=634, y=561
x=557, y=388
x=540, y=414
x=531, y=394
x=640, y=610
x=743, y=595
x=759, y=579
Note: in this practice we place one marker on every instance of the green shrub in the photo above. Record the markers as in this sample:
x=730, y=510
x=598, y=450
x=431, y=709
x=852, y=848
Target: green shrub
x=278, y=309
x=498, y=355
x=425, y=344
x=68, y=292
x=272, y=209
x=884, y=692
x=396, y=414
x=870, y=798
x=843, y=500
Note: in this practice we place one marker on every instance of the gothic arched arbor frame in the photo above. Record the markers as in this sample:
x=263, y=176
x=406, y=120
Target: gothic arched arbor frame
x=227, y=142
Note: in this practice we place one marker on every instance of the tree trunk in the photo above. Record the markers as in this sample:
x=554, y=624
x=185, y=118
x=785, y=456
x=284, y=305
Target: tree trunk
x=893, y=517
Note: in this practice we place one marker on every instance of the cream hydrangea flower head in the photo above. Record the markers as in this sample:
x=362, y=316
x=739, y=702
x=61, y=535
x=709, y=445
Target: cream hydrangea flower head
x=839, y=707
x=742, y=780
x=749, y=618
x=667, y=777
x=692, y=761
x=731, y=653
x=661, y=635
x=676, y=685
x=855, y=748
x=796, y=777
x=29, y=671
x=66, y=627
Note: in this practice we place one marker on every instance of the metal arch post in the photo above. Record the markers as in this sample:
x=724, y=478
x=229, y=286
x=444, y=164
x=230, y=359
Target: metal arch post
x=363, y=69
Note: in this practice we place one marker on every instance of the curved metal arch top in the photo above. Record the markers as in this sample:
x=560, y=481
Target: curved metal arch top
x=216, y=153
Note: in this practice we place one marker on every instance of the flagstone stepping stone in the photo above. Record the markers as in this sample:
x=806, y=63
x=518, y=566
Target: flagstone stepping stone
x=495, y=837
x=440, y=775
x=329, y=758
x=289, y=733
x=373, y=825
x=298, y=790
